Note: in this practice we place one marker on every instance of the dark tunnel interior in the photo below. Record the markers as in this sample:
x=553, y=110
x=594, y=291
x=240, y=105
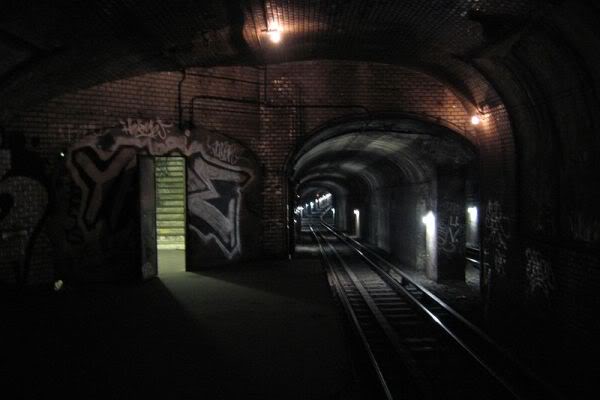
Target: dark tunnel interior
x=300, y=199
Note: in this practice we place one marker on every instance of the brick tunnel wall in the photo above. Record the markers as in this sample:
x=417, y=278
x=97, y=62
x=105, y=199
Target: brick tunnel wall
x=266, y=111
x=264, y=117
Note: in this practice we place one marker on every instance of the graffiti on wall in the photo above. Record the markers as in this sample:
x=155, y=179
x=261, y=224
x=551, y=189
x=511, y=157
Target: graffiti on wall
x=103, y=182
x=224, y=151
x=103, y=169
x=539, y=273
x=152, y=128
x=214, y=200
x=23, y=205
x=450, y=227
x=496, y=224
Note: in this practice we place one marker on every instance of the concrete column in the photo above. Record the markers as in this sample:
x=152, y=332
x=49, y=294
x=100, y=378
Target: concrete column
x=451, y=224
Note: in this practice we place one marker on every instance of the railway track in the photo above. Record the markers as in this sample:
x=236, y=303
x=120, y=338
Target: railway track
x=419, y=347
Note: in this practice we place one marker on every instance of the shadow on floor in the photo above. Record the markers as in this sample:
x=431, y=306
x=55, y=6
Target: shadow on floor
x=118, y=341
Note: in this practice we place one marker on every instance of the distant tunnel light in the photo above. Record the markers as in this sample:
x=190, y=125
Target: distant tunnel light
x=472, y=213
x=475, y=120
x=356, y=212
x=429, y=219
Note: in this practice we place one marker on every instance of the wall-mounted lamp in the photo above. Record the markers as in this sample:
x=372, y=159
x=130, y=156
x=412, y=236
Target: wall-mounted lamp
x=472, y=211
x=62, y=154
x=475, y=120
x=274, y=33
x=429, y=219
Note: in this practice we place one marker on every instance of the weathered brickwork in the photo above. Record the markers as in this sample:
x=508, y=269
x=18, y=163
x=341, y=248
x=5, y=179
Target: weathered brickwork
x=269, y=110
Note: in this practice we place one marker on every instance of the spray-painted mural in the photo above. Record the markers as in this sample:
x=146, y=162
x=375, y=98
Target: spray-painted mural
x=23, y=207
x=222, y=191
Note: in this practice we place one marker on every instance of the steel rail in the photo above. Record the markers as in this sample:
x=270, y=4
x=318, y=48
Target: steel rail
x=334, y=279
x=387, y=328
x=478, y=332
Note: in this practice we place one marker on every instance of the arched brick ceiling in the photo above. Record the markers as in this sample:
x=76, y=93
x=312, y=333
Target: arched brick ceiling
x=48, y=48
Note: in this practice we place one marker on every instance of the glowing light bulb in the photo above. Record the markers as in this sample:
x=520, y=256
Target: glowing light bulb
x=275, y=35
x=475, y=120
x=429, y=219
x=472, y=213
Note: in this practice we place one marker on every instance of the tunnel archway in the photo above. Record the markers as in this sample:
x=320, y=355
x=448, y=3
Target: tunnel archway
x=384, y=174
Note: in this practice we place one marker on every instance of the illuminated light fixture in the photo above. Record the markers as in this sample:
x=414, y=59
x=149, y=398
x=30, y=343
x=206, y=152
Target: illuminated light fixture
x=274, y=33
x=62, y=154
x=356, y=212
x=312, y=204
x=429, y=219
x=475, y=120
x=472, y=213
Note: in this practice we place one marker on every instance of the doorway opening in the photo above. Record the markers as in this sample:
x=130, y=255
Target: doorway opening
x=170, y=179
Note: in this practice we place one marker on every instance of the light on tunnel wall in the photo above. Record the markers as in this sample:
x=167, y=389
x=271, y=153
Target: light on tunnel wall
x=357, y=222
x=472, y=211
x=475, y=120
x=62, y=153
x=429, y=219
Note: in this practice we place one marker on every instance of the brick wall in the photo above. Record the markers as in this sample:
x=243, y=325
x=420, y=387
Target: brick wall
x=269, y=111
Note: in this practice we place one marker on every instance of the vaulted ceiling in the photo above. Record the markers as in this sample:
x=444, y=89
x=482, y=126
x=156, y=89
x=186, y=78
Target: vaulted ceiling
x=48, y=48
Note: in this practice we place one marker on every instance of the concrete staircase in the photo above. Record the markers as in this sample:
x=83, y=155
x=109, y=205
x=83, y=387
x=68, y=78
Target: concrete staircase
x=170, y=203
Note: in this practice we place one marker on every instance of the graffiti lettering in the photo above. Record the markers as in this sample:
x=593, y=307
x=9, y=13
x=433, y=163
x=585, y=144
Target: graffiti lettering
x=215, y=183
x=226, y=152
x=150, y=128
x=449, y=234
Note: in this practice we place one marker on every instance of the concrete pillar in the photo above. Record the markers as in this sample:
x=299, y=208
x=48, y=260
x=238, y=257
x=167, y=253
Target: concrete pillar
x=451, y=224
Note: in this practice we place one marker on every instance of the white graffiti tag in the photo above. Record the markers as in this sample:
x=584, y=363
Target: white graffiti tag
x=449, y=234
x=539, y=273
x=224, y=151
x=155, y=129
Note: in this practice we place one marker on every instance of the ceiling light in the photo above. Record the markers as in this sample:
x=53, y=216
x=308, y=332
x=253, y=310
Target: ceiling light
x=274, y=35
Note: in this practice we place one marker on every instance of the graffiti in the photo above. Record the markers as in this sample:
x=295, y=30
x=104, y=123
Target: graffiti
x=584, y=229
x=97, y=179
x=539, y=273
x=23, y=206
x=154, y=129
x=219, y=209
x=226, y=152
x=496, y=224
x=216, y=181
x=449, y=233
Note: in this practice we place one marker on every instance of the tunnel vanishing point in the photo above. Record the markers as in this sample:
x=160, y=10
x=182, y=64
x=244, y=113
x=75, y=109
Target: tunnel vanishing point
x=447, y=135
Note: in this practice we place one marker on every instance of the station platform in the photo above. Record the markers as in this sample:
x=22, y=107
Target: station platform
x=261, y=330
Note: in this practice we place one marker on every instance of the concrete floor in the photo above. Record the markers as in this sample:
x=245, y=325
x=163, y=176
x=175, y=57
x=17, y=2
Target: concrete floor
x=252, y=331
